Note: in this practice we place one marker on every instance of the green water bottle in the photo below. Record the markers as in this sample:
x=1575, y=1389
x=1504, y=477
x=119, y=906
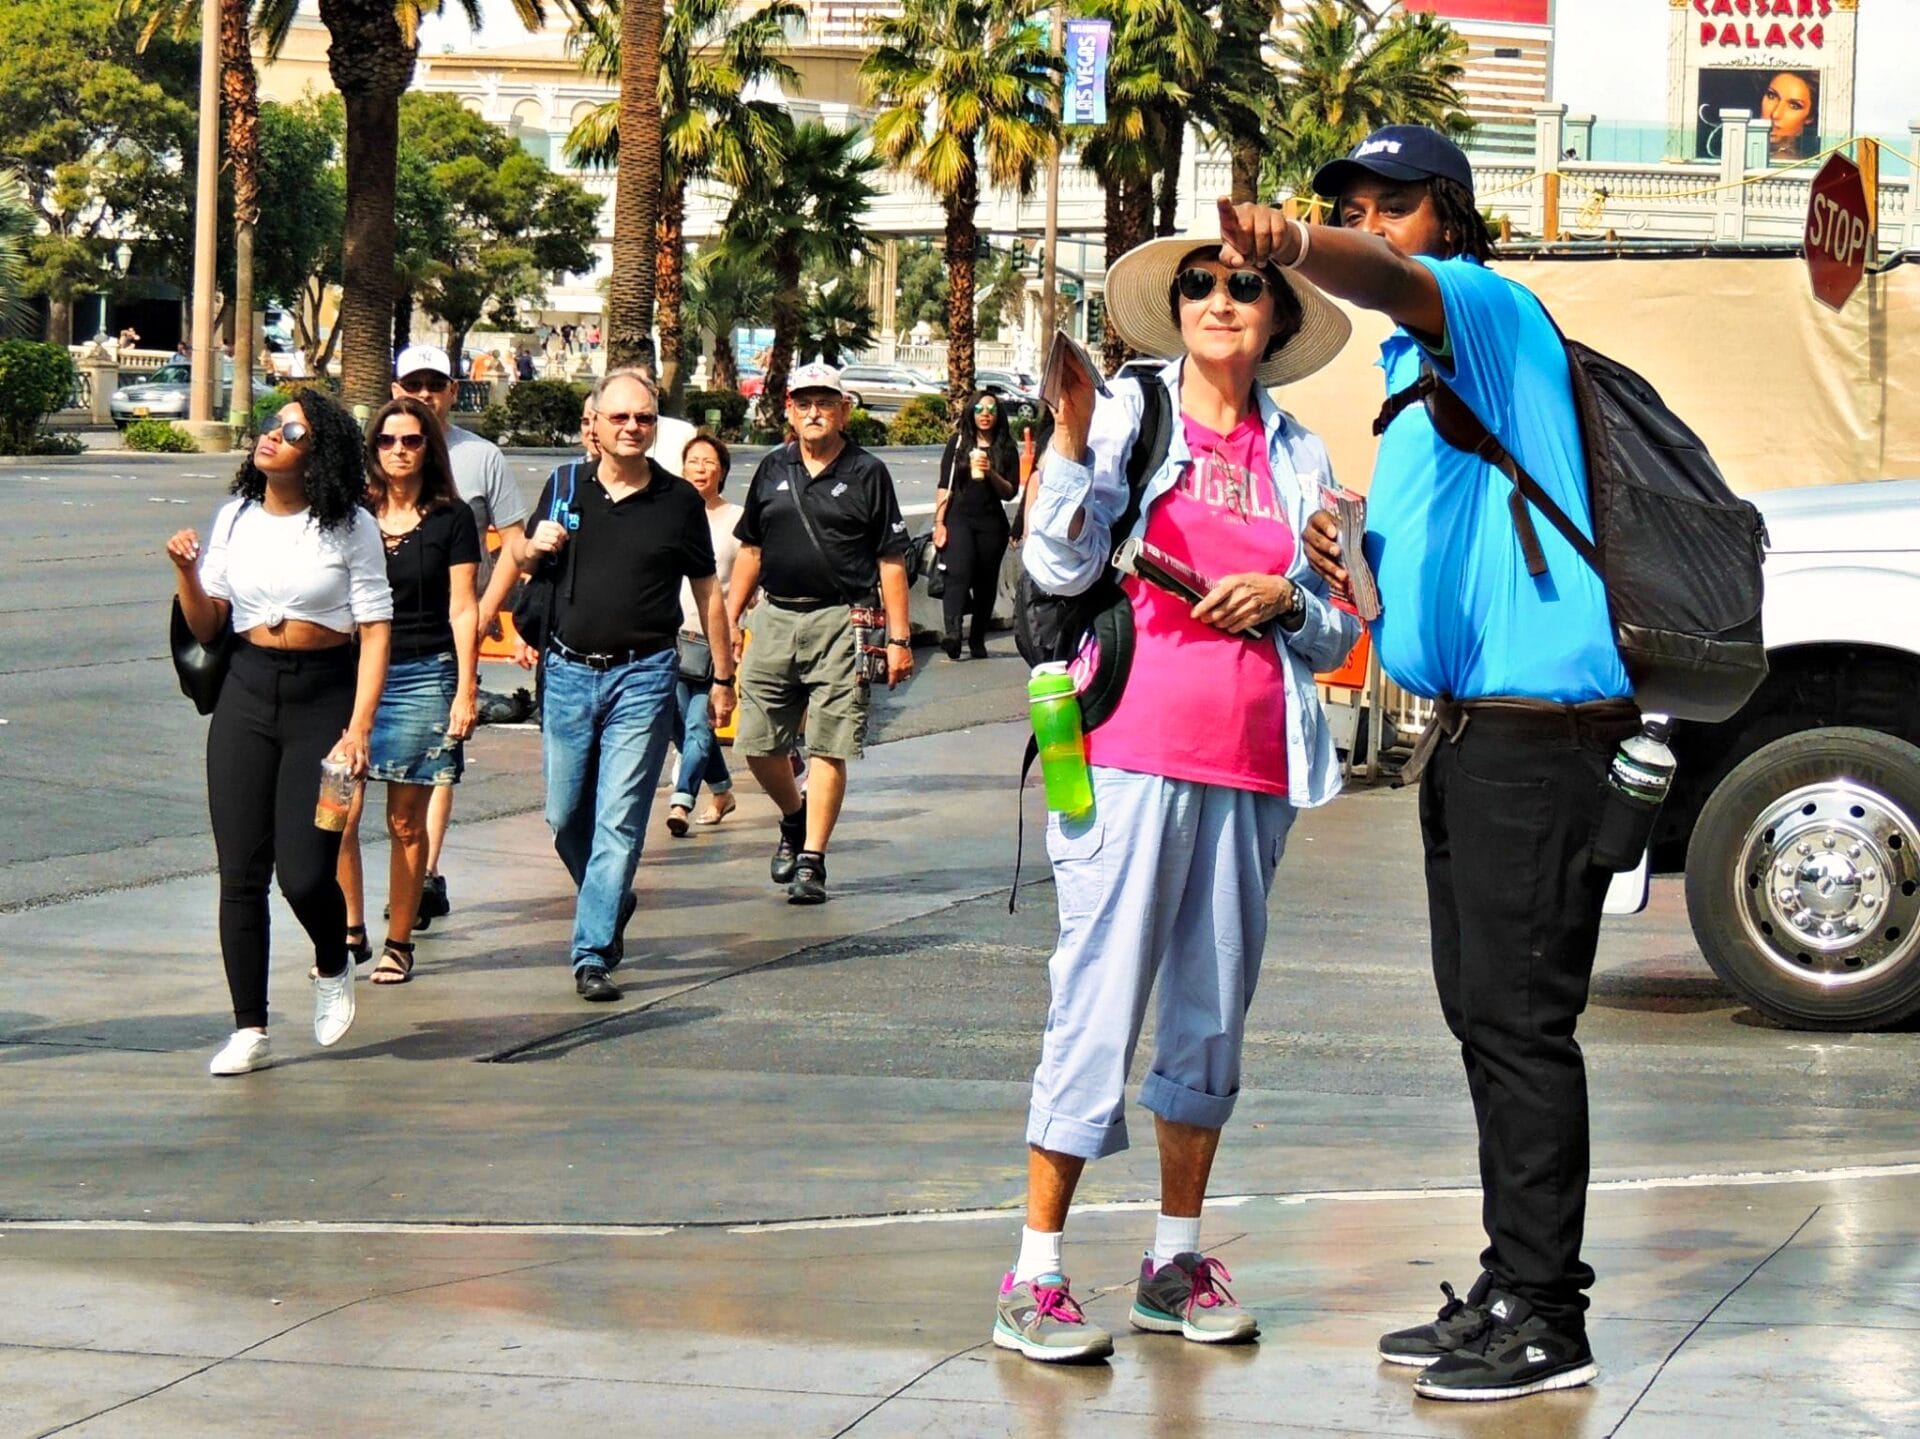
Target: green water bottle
x=1063, y=748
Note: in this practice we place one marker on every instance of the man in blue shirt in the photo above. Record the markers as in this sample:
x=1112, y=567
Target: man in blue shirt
x=1532, y=703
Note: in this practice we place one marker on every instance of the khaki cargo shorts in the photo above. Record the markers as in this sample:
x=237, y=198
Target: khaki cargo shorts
x=800, y=667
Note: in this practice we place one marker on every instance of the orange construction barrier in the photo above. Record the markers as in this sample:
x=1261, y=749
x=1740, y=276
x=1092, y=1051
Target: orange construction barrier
x=1352, y=675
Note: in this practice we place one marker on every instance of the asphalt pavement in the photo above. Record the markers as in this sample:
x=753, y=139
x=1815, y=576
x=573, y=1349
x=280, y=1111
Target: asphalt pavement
x=771, y=1191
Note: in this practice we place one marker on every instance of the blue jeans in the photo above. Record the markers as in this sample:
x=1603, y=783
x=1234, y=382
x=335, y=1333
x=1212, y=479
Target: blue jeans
x=702, y=759
x=604, y=740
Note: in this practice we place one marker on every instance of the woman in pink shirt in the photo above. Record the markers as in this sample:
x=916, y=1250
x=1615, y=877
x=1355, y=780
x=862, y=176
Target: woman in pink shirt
x=1217, y=740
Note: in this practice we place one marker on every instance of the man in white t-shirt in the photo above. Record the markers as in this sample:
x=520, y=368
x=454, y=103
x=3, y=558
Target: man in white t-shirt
x=424, y=373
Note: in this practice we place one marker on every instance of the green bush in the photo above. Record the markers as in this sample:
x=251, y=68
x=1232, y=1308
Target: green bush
x=921, y=421
x=268, y=406
x=490, y=424
x=731, y=405
x=35, y=381
x=544, y=413
x=159, y=437
x=865, y=429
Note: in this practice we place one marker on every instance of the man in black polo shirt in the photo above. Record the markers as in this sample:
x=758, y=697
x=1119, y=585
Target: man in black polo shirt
x=624, y=534
x=802, y=664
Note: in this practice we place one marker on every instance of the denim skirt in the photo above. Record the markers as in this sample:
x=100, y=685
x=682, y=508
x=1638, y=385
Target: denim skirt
x=410, y=744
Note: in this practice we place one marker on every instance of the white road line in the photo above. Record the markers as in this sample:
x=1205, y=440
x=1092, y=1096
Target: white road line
x=1746, y=1179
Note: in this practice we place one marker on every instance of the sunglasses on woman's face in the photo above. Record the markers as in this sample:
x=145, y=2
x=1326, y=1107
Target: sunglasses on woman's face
x=1244, y=287
x=986, y=407
x=291, y=432
x=406, y=442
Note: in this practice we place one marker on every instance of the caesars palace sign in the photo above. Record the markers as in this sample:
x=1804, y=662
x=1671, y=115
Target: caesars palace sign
x=1764, y=24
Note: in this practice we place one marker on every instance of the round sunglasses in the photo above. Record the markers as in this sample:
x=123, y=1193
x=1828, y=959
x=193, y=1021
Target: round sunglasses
x=1244, y=287
x=414, y=441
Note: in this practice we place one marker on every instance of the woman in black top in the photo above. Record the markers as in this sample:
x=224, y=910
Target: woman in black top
x=979, y=472
x=433, y=553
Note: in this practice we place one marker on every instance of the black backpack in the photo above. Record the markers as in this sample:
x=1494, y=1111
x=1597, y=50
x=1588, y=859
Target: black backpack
x=1679, y=552
x=1053, y=628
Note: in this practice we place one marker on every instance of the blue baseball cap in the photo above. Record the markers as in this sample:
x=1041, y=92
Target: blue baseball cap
x=1397, y=152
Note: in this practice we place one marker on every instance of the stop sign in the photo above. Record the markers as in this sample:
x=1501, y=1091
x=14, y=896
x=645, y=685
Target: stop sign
x=1837, y=231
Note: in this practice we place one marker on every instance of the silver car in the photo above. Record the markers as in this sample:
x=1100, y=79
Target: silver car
x=164, y=394
x=886, y=387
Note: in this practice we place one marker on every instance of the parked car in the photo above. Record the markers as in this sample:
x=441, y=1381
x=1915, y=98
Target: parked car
x=163, y=395
x=752, y=381
x=886, y=387
x=1798, y=820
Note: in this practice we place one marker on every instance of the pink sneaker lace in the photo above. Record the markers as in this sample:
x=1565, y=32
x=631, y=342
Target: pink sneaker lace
x=1208, y=1291
x=1051, y=1302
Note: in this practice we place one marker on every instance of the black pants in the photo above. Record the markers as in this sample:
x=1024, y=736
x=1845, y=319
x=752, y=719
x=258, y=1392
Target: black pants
x=975, y=549
x=280, y=714
x=1507, y=815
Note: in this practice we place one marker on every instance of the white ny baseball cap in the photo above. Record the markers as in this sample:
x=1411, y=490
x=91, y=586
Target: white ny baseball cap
x=416, y=358
x=814, y=375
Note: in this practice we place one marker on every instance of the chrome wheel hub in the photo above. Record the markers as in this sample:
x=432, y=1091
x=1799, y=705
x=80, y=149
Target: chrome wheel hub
x=1829, y=883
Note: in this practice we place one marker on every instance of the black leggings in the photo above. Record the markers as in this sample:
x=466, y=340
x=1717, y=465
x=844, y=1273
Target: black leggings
x=280, y=714
x=974, y=551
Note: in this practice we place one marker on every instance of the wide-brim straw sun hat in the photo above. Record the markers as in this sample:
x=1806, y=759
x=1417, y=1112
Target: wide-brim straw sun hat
x=1137, y=286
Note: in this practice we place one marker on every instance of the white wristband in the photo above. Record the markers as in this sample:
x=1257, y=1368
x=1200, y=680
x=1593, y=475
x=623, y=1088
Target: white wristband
x=1306, y=243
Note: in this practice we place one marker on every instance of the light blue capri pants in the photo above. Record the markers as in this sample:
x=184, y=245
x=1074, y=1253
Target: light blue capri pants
x=1165, y=878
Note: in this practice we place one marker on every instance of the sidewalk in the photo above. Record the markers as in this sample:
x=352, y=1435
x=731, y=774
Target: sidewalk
x=496, y=1210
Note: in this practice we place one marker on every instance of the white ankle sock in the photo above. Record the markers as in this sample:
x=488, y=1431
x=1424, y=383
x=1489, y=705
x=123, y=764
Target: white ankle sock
x=1173, y=1235
x=1039, y=1254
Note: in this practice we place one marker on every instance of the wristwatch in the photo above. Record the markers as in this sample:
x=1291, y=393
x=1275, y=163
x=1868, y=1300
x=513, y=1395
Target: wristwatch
x=725, y=684
x=905, y=644
x=1295, y=614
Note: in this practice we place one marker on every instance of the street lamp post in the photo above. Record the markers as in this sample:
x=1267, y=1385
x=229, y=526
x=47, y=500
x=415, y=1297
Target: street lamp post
x=203, y=398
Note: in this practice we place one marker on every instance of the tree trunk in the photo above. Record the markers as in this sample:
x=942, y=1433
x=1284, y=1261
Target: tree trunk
x=787, y=311
x=1246, y=173
x=1176, y=134
x=371, y=64
x=240, y=89
x=671, y=276
x=636, y=195
x=456, y=342
x=961, y=238
x=724, y=372
x=403, y=321
x=1112, y=349
x=60, y=320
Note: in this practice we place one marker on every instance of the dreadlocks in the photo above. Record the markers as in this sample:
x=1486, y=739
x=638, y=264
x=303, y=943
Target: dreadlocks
x=1460, y=220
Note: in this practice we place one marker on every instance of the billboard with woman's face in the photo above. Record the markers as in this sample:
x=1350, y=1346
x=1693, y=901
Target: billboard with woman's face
x=1789, y=98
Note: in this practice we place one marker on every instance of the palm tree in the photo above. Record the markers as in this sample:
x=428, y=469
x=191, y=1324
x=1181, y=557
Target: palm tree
x=16, y=229
x=1353, y=70
x=962, y=85
x=710, y=56
x=636, y=195
x=837, y=323
x=725, y=290
x=1237, y=105
x=809, y=211
x=240, y=94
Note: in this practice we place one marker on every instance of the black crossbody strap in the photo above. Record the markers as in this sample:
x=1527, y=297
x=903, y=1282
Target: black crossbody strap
x=800, y=485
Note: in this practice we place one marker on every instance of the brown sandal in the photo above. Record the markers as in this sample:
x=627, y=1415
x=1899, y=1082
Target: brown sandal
x=715, y=811
x=396, y=964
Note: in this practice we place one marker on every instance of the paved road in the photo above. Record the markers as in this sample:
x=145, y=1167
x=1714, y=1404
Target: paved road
x=100, y=757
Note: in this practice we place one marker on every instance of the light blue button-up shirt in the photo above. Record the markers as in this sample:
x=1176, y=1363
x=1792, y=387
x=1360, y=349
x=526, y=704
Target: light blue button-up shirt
x=1064, y=563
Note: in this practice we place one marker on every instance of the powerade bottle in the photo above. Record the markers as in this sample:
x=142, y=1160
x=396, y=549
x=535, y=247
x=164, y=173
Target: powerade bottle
x=1063, y=748
x=1643, y=767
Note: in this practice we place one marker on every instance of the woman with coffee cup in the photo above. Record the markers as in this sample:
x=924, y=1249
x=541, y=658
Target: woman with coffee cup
x=979, y=473
x=294, y=564
x=432, y=555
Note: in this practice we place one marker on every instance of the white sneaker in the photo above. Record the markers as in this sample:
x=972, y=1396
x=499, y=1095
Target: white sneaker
x=245, y=1052
x=333, y=1006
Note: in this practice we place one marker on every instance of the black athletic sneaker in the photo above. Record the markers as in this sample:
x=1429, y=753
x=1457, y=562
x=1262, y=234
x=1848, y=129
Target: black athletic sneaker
x=1458, y=1321
x=809, y=885
x=793, y=834
x=1519, y=1354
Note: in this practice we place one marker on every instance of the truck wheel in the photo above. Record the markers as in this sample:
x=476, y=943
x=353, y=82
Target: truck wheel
x=1803, y=880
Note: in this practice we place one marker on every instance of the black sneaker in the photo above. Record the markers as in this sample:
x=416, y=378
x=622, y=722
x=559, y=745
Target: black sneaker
x=629, y=902
x=1520, y=1354
x=433, y=901
x=809, y=884
x=590, y=982
x=1459, y=1320
x=793, y=834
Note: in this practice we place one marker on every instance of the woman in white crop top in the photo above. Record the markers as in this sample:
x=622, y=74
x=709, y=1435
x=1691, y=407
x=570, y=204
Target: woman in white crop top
x=295, y=563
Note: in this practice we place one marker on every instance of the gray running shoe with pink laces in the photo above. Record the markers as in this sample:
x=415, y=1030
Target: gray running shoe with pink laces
x=1043, y=1321
x=1188, y=1297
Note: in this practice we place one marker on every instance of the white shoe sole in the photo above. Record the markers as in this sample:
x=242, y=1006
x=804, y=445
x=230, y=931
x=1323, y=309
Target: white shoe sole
x=1051, y=1353
x=1154, y=1324
x=1413, y=1360
x=1570, y=1379
x=258, y=1059
x=346, y=1023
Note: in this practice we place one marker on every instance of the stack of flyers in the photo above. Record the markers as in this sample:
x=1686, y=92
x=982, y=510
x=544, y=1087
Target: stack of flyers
x=1351, y=512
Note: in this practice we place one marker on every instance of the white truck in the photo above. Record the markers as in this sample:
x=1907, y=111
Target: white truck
x=1798, y=820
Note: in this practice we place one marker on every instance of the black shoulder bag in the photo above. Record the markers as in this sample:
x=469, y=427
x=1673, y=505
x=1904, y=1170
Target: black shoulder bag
x=202, y=668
